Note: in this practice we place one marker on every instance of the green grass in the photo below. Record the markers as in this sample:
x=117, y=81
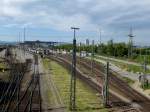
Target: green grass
x=146, y=86
x=2, y=65
x=131, y=68
x=127, y=67
x=87, y=98
x=137, y=59
x=4, y=75
x=140, y=59
x=129, y=81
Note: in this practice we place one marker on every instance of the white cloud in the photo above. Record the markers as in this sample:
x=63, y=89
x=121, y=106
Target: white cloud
x=61, y=14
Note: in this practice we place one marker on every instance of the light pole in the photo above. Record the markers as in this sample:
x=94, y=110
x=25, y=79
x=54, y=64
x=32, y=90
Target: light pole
x=73, y=75
x=100, y=40
x=100, y=36
x=92, y=57
x=106, y=87
x=24, y=36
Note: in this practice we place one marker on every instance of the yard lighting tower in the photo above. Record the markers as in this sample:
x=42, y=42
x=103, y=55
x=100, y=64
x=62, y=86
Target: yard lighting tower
x=130, y=46
x=73, y=75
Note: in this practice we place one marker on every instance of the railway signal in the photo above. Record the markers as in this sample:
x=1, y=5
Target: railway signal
x=73, y=75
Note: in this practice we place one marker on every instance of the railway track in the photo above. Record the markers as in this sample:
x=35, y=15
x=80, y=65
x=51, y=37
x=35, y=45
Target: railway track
x=90, y=82
x=12, y=99
x=123, y=88
x=57, y=102
x=30, y=98
x=136, y=99
x=10, y=89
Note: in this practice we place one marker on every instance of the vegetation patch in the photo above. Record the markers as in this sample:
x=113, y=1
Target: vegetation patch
x=87, y=98
x=146, y=86
x=129, y=81
x=127, y=67
x=4, y=75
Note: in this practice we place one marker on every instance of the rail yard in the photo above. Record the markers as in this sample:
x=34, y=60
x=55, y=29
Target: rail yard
x=30, y=84
x=74, y=56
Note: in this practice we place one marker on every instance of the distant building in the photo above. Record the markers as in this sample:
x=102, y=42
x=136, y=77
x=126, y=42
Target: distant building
x=87, y=42
x=41, y=43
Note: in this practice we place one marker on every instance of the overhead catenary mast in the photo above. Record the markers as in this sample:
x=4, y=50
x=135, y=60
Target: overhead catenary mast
x=73, y=75
x=24, y=39
x=106, y=87
x=100, y=37
x=100, y=41
x=24, y=35
x=92, y=57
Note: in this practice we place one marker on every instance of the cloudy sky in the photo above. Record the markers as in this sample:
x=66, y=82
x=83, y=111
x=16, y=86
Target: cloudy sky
x=52, y=19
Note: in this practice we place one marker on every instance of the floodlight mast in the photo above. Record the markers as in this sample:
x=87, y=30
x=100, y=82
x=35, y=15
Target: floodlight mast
x=74, y=29
x=73, y=75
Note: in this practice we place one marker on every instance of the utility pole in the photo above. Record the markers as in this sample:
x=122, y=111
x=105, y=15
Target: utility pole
x=86, y=45
x=19, y=38
x=24, y=34
x=144, y=75
x=100, y=37
x=19, y=47
x=80, y=52
x=106, y=87
x=92, y=57
x=73, y=75
x=24, y=38
x=130, y=47
x=145, y=64
x=100, y=41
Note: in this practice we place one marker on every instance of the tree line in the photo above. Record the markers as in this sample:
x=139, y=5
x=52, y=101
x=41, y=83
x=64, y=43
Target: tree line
x=110, y=49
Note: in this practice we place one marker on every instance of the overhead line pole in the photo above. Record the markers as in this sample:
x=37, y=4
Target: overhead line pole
x=24, y=36
x=106, y=87
x=80, y=52
x=100, y=37
x=100, y=41
x=92, y=57
x=73, y=75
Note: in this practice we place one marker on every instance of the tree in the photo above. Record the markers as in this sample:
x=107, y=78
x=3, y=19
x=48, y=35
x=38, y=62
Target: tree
x=110, y=48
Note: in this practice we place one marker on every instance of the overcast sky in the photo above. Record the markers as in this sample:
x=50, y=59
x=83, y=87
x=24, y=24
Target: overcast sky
x=52, y=19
